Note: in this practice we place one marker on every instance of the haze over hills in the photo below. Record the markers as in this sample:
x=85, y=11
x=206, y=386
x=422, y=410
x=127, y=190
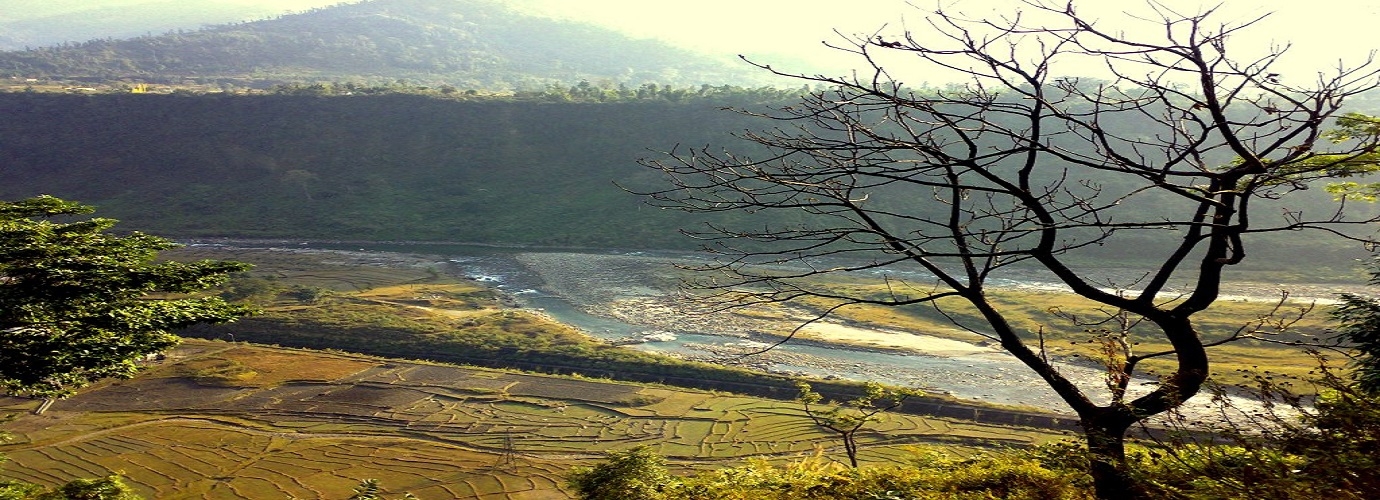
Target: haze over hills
x=40, y=23
x=465, y=43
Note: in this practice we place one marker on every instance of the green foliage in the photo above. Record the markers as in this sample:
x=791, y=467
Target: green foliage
x=18, y=490
x=1327, y=449
x=636, y=474
x=1223, y=471
x=1295, y=447
x=389, y=167
x=1325, y=465
x=1327, y=446
x=243, y=287
x=1350, y=127
x=75, y=301
x=308, y=294
x=1360, y=324
x=846, y=418
x=1009, y=475
x=106, y=488
x=1358, y=321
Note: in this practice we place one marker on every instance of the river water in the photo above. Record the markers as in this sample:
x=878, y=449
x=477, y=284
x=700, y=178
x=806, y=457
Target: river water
x=569, y=287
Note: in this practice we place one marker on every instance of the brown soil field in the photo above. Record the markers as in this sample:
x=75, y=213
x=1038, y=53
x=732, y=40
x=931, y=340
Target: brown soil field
x=225, y=420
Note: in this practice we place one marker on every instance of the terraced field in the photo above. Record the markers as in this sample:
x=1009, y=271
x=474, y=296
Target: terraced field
x=224, y=420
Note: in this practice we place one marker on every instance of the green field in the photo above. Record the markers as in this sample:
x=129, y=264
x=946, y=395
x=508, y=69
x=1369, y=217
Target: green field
x=225, y=420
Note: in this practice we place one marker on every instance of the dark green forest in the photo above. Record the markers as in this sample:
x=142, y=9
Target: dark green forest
x=386, y=167
x=314, y=163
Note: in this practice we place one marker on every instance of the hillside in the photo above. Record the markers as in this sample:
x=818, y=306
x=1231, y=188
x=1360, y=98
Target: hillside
x=538, y=171
x=386, y=167
x=476, y=44
x=40, y=23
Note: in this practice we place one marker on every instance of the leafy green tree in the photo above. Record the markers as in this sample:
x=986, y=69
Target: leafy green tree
x=636, y=474
x=846, y=418
x=78, y=304
x=1359, y=325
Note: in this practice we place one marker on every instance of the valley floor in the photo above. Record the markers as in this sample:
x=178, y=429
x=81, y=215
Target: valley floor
x=226, y=420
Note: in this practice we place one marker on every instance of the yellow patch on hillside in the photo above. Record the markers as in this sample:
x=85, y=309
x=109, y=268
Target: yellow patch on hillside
x=255, y=367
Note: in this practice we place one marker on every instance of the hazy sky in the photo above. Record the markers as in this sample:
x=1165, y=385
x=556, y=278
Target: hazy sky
x=788, y=33
x=777, y=30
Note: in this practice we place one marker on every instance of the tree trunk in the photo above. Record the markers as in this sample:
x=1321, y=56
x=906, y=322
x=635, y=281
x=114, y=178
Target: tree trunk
x=851, y=448
x=1107, y=457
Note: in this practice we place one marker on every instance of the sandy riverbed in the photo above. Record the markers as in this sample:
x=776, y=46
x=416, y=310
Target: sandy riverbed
x=640, y=290
x=890, y=339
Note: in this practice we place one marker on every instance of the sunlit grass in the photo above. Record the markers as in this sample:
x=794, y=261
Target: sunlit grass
x=315, y=436
x=1278, y=340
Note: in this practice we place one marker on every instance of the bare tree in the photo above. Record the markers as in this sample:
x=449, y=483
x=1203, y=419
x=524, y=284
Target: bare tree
x=1022, y=167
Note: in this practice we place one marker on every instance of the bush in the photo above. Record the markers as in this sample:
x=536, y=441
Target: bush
x=636, y=474
x=105, y=488
x=1326, y=446
x=640, y=474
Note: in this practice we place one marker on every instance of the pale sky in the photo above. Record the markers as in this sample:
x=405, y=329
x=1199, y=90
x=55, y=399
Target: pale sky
x=776, y=31
x=788, y=33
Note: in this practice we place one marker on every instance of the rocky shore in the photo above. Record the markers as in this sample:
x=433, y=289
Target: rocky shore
x=641, y=290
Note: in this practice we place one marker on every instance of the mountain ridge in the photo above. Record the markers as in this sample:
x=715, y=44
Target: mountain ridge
x=43, y=23
x=466, y=43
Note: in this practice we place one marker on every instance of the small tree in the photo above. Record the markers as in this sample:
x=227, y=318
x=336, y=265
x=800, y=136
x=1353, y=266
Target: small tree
x=370, y=489
x=846, y=418
x=636, y=474
x=1174, y=156
x=78, y=304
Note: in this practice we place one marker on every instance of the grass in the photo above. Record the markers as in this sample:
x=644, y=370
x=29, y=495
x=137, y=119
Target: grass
x=1034, y=313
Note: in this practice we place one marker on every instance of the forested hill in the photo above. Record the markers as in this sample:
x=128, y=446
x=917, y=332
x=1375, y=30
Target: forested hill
x=473, y=44
x=374, y=167
x=402, y=166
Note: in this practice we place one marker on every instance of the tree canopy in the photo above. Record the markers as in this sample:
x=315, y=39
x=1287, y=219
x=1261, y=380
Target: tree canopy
x=1186, y=152
x=78, y=303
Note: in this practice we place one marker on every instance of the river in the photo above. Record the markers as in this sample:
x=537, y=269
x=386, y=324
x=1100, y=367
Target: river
x=578, y=288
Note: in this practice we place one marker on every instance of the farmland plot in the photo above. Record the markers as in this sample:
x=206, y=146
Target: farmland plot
x=219, y=420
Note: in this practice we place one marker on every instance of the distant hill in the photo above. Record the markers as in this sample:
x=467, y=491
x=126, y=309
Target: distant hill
x=40, y=23
x=466, y=43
